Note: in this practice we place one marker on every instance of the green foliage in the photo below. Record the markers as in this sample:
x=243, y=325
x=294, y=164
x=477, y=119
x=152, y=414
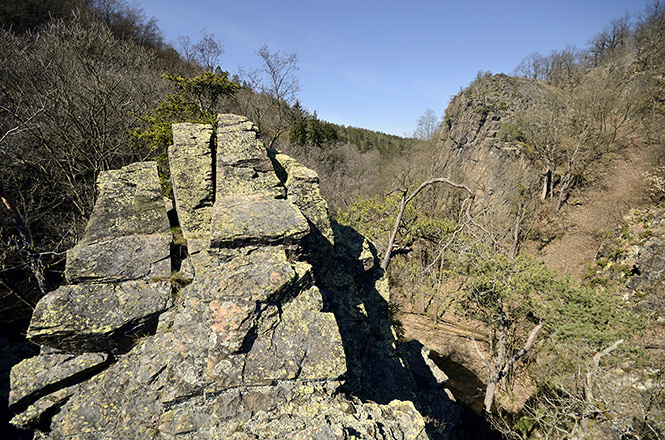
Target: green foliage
x=298, y=131
x=587, y=317
x=308, y=129
x=191, y=100
x=499, y=290
x=205, y=89
x=512, y=131
x=365, y=140
x=373, y=217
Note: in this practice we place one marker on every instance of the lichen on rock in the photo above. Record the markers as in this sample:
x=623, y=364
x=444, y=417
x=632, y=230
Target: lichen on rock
x=265, y=342
x=191, y=166
x=240, y=220
x=96, y=317
x=302, y=188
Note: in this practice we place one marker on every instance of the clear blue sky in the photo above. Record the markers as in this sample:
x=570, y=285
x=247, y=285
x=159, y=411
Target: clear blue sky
x=381, y=64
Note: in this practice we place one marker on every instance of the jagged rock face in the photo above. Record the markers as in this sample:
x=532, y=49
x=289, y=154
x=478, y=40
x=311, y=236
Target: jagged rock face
x=632, y=256
x=269, y=340
x=191, y=163
x=475, y=154
x=121, y=263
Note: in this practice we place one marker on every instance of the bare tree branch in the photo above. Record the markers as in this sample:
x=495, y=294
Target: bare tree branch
x=406, y=199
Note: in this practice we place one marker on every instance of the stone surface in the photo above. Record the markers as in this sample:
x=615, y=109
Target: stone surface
x=243, y=166
x=190, y=162
x=94, y=317
x=129, y=201
x=35, y=414
x=254, y=219
x=131, y=257
x=34, y=377
x=299, y=343
x=302, y=187
x=650, y=265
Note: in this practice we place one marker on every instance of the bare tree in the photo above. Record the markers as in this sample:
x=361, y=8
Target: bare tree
x=278, y=72
x=186, y=49
x=385, y=261
x=274, y=89
x=208, y=51
x=501, y=365
x=428, y=126
x=614, y=37
x=65, y=111
x=534, y=66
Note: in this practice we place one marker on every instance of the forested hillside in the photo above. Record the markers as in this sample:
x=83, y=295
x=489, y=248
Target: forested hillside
x=522, y=242
x=561, y=162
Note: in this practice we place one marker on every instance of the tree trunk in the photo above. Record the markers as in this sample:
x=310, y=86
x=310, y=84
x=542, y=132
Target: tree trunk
x=501, y=368
x=547, y=183
x=489, y=397
x=563, y=192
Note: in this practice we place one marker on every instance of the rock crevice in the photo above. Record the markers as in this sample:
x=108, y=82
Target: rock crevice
x=277, y=335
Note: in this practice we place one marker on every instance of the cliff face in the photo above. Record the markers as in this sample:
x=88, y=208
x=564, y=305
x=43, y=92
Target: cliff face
x=475, y=152
x=266, y=324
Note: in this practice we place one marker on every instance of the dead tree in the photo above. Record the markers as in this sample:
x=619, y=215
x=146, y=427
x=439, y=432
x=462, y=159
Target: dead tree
x=405, y=201
x=501, y=366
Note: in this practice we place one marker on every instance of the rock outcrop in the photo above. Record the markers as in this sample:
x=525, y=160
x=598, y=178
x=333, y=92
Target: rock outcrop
x=280, y=333
x=475, y=152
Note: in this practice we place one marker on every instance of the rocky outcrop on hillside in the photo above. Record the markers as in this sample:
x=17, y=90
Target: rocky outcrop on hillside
x=268, y=325
x=476, y=152
x=632, y=258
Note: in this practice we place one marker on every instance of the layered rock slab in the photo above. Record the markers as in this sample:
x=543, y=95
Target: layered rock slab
x=129, y=201
x=95, y=317
x=121, y=263
x=191, y=164
x=255, y=219
x=128, y=235
x=243, y=166
x=34, y=377
x=132, y=257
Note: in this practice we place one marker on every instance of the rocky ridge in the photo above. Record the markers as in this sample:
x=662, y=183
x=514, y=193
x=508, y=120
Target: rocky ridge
x=267, y=325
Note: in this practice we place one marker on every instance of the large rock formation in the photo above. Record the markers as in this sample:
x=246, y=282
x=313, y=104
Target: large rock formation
x=280, y=333
x=476, y=152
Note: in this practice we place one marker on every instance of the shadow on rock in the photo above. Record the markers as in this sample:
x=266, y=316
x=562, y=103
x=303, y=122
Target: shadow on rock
x=10, y=355
x=379, y=368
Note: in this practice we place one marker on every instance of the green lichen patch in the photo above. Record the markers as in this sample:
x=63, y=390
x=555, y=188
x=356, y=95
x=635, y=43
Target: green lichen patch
x=241, y=220
x=191, y=165
x=129, y=201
